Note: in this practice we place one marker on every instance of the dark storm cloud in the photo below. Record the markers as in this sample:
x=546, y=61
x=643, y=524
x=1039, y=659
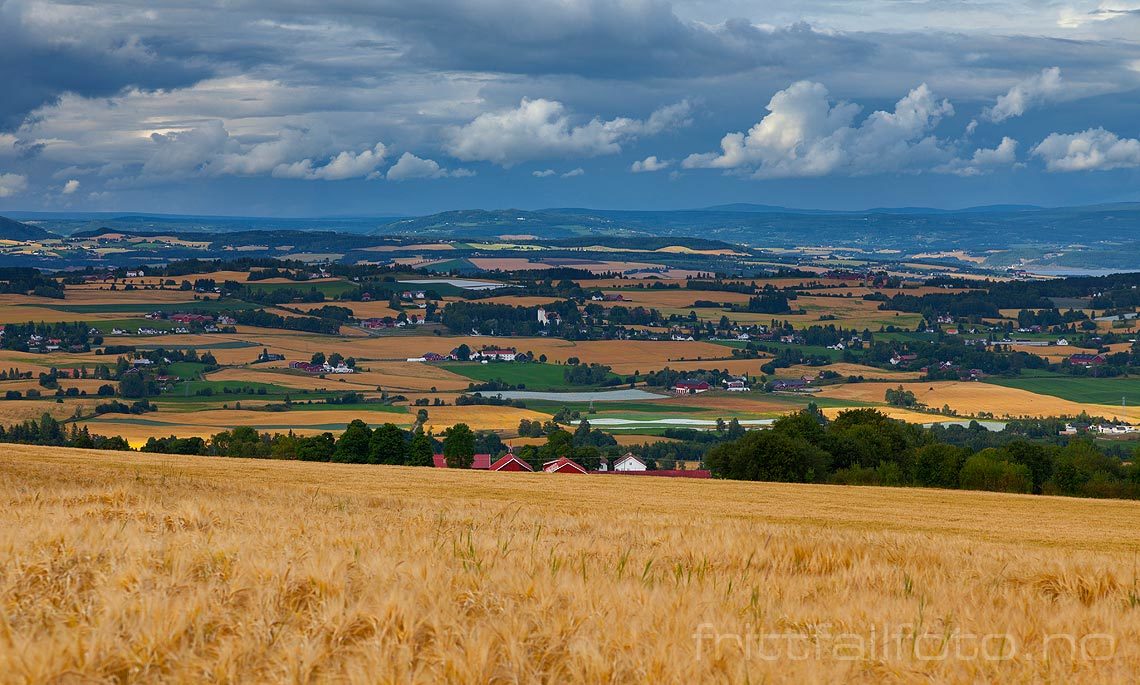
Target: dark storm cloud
x=36, y=70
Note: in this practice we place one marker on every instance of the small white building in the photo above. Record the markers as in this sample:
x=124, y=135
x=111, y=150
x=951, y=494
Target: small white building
x=628, y=462
x=546, y=318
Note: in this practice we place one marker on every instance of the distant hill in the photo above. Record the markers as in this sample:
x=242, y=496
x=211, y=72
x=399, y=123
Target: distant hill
x=64, y=223
x=996, y=227
x=765, y=209
x=11, y=229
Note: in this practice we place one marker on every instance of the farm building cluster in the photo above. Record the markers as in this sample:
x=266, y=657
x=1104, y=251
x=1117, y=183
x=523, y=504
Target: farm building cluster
x=628, y=464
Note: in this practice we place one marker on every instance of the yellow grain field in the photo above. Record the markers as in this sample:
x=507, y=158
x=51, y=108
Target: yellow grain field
x=148, y=568
x=970, y=398
x=429, y=247
x=170, y=420
x=849, y=369
x=18, y=411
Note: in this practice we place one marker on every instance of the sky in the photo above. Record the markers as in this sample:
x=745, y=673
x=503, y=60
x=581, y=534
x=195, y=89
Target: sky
x=391, y=107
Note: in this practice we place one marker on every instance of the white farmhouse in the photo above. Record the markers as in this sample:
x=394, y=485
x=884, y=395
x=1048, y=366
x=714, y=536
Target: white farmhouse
x=628, y=462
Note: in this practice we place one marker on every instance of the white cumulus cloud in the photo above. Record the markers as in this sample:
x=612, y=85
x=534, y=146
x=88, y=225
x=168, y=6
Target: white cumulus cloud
x=210, y=150
x=1094, y=149
x=984, y=160
x=574, y=172
x=70, y=187
x=1025, y=94
x=650, y=163
x=344, y=165
x=544, y=129
x=544, y=173
x=410, y=166
x=12, y=184
x=804, y=134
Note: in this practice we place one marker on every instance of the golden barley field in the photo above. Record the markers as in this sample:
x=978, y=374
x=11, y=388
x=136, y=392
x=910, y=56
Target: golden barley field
x=124, y=567
x=970, y=398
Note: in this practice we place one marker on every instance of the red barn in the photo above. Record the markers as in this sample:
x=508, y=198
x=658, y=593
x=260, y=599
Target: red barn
x=563, y=465
x=481, y=462
x=509, y=462
x=1086, y=360
x=690, y=387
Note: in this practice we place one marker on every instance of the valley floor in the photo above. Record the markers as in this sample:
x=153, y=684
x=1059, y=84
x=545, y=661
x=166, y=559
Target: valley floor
x=141, y=568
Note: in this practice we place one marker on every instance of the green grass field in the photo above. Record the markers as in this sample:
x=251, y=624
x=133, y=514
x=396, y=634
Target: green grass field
x=186, y=370
x=237, y=389
x=1108, y=391
x=533, y=375
x=330, y=289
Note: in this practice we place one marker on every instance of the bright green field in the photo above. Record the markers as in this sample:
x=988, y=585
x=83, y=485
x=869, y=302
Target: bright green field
x=533, y=375
x=328, y=288
x=130, y=325
x=1077, y=389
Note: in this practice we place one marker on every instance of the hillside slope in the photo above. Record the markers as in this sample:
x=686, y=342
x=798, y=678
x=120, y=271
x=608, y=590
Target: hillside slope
x=11, y=229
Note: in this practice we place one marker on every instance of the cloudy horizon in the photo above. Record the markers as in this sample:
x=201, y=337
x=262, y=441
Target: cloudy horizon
x=388, y=107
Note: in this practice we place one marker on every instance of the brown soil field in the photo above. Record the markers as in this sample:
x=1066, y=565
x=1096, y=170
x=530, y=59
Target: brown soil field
x=193, y=569
x=509, y=264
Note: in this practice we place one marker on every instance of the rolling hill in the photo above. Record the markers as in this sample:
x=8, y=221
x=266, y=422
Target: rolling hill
x=11, y=229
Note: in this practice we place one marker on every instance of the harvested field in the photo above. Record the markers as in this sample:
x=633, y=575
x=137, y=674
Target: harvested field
x=293, y=571
x=361, y=310
x=320, y=418
x=18, y=411
x=739, y=367
x=625, y=356
x=971, y=398
x=848, y=369
x=423, y=247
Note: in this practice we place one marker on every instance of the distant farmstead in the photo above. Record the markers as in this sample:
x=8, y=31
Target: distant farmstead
x=690, y=387
x=502, y=354
x=1086, y=360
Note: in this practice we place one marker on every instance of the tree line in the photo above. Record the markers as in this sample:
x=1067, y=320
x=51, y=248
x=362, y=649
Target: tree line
x=865, y=447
